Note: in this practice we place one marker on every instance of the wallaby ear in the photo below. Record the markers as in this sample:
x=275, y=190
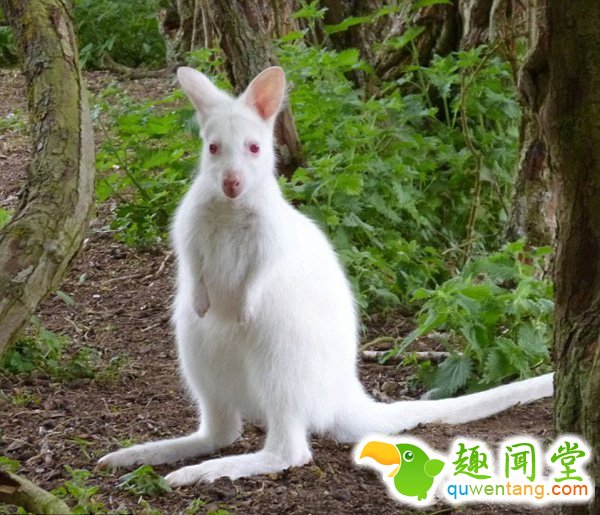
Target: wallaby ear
x=201, y=91
x=266, y=92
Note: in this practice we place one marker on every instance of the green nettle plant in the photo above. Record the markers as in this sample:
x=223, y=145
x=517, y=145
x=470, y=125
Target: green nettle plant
x=146, y=162
x=46, y=352
x=144, y=481
x=495, y=318
x=77, y=491
x=398, y=180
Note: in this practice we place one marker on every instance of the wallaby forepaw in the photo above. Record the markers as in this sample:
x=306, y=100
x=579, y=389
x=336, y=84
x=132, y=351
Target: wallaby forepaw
x=201, y=304
x=246, y=315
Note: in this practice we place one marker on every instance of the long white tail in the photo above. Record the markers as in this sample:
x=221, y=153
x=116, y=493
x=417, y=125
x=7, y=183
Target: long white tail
x=368, y=416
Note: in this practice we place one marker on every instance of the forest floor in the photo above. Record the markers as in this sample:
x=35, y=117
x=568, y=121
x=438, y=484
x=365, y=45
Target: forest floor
x=121, y=309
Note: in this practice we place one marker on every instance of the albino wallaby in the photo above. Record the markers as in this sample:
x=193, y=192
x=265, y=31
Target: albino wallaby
x=265, y=318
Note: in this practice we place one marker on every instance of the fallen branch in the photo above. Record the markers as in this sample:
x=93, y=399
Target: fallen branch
x=19, y=491
x=430, y=355
x=108, y=63
x=433, y=335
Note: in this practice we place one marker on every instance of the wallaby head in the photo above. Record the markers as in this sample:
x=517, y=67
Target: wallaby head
x=237, y=132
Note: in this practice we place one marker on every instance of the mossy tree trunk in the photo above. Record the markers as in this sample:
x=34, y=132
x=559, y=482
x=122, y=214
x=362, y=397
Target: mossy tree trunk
x=533, y=206
x=41, y=240
x=569, y=116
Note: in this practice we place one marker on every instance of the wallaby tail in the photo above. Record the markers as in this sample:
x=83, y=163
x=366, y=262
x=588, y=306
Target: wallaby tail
x=367, y=416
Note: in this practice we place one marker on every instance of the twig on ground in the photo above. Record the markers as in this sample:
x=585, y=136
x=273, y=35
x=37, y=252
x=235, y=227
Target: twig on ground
x=430, y=355
x=162, y=266
x=137, y=275
x=380, y=339
x=45, y=451
x=151, y=326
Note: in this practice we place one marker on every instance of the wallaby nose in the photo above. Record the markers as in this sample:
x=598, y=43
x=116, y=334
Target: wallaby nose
x=232, y=184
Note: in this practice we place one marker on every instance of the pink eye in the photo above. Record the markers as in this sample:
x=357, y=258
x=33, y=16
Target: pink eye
x=213, y=148
x=254, y=148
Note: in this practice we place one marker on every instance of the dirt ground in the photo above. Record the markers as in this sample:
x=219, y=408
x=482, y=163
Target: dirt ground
x=121, y=309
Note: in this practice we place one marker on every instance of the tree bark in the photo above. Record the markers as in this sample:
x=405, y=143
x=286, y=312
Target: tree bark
x=184, y=28
x=38, y=245
x=246, y=43
x=533, y=205
x=569, y=115
x=19, y=491
x=441, y=35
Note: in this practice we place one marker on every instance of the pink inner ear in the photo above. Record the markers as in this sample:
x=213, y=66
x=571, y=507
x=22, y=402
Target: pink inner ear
x=265, y=105
x=266, y=91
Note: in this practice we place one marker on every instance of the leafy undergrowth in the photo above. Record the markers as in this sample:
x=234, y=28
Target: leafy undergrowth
x=127, y=31
x=495, y=318
x=43, y=351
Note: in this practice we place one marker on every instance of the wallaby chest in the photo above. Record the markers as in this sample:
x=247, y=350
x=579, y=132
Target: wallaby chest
x=229, y=242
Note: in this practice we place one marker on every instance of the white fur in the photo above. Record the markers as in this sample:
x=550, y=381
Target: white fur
x=265, y=318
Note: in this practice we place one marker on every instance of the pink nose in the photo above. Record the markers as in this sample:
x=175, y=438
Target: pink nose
x=232, y=184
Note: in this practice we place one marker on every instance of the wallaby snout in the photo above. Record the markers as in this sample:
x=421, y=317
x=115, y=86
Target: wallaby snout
x=232, y=184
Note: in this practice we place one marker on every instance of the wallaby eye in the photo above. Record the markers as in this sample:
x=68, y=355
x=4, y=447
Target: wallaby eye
x=213, y=148
x=254, y=148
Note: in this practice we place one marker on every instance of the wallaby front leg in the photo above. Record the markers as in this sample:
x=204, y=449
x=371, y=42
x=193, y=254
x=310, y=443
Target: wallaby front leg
x=251, y=290
x=201, y=299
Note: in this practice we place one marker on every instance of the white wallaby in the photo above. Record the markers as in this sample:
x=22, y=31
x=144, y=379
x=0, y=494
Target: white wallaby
x=265, y=318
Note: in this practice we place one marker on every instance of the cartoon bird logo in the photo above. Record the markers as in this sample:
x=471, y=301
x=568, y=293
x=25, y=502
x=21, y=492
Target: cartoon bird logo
x=414, y=472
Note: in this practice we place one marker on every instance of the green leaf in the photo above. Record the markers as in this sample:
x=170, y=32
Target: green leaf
x=531, y=341
x=9, y=465
x=409, y=35
x=351, y=21
x=292, y=36
x=65, y=297
x=497, y=366
x=5, y=216
x=426, y=3
x=348, y=57
x=144, y=481
x=515, y=355
x=349, y=184
x=453, y=374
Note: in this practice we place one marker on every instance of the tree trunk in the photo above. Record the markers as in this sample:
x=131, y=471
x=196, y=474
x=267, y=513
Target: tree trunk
x=462, y=24
x=375, y=39
x=533, y=205
x=38, y=245
x=184, y=28
x=246, y=43
x=475, y=16
x=569, y=115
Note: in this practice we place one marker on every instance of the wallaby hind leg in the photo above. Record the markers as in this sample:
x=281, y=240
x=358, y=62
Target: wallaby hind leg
x=286, y=446
x=219, y=428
